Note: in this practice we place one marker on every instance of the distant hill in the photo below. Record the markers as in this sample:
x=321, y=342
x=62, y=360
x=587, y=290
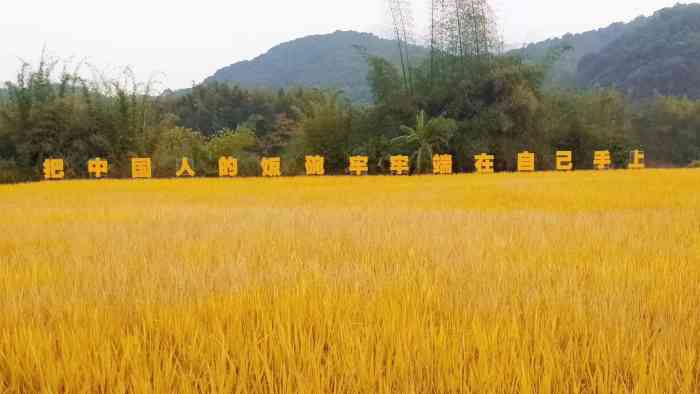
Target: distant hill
x=652, y=55
x=328, y=61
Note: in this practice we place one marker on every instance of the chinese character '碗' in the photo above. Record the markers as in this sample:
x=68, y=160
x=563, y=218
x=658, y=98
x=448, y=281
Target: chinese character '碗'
x=271, y=166
x=399, y=165
x=602, y=160
x=315, y=165
x=358, y=165
x=228, y=167
x=98, y=167
x=526, y=162
x=484, y=163
x=565, y=160
x=637, y=160
x=185, y=168
x=141, y=167
x=53, y=169
x=442, y=164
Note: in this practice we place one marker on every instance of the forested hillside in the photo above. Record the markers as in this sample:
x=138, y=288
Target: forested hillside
x=331, y=61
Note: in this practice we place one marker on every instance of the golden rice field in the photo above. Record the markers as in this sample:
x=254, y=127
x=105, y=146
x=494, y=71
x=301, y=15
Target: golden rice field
x=585, y=282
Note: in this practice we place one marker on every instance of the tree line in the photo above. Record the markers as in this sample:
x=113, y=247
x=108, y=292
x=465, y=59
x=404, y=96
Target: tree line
x=458, y=104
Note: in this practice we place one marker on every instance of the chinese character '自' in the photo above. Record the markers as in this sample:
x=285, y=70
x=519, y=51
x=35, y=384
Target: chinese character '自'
x=526, y=162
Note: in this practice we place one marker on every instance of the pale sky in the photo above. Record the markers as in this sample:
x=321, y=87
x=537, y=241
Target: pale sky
x=181, y=42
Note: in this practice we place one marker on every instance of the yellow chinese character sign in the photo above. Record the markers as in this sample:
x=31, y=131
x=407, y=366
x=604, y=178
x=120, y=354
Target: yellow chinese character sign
x=359, y=165
x=53, y=169
x=484, y=163
x=228, y=167
x=565, y=160
x=399, y=165
x=185, y=168
x=637, y=160
x=602, y=160
x=141, y=167
x=315, y=165
x=526, y=162
x=271, y=166
x=98, y=167
x=442, y=164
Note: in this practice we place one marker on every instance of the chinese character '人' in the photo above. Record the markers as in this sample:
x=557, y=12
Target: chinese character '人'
x=315, y=165
x=484, y=163
x=53, y=169
x=98, y=167
x=602, y=160
x=271, y=166
x=399, y=165
x=526, y=162
x=565, y=161
x=185, y=168
x=358, y=165
x=141, y=167
x=228, y=167
x=637, y=160
x=442, y=164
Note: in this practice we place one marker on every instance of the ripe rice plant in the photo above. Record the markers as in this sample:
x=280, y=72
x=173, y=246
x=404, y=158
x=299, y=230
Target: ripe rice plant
x=584, y=282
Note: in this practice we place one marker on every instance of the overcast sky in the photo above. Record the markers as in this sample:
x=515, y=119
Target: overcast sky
x=182, y=42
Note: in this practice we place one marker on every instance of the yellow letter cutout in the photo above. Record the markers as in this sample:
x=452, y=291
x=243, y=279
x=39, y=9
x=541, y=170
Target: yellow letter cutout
x=637, y=160
x=53, y=169
x=98, y=167
x=602, y=160
x=526, y=162
x=442, y=164
x=315, y=165
x=565, y=160
x=484, y=163
x=399, y=165
x=358, y=165
x=271, y=166
x=141, y=167
x=185, y=168
x=228, y=167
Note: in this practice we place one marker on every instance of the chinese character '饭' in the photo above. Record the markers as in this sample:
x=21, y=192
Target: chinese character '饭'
x=98, y=167
x=484, y=163
x=358, y=165
x=315, y=165
x=53, y=169
x=228, y=167
x=141, y=167
x=565, y=160
x=602, y=160
x=271, y=166
x=442, y=164
x=526, y=162
x=399, y=165
x=637, y=160
x=185, y=168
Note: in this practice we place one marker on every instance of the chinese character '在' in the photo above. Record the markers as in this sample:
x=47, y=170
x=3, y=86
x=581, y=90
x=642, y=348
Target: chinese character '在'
x=526, y=162
x=484, y=163
x=315, y=165
x=602, y=160
x=228, y=167
x=442, y=164
x=637, y=160
x=53, y=169
x=358, y=165
x=141, y=167
x=271, y=166
x=399, y=165
x=565, y=160
x=98, y=167
x=185, y=168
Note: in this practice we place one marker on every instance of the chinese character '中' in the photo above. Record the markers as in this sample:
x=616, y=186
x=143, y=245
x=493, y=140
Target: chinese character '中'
x=484, y=163
x=141, y=167
x=271, y=166
x=228, y=167
x=358, y=165
x=637, y=160
x=98, y=167
x=185, y=168
x=526, y=162
x=399, y=165
x=565, y=161
x=315, y=165
x=601, y=160
x=442, y=164
x=53, y=169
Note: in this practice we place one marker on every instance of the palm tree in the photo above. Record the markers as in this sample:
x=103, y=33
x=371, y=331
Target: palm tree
x=426, y=138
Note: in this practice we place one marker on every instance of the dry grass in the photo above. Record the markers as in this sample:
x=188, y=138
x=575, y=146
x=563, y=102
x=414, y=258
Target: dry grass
x=581, y=282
